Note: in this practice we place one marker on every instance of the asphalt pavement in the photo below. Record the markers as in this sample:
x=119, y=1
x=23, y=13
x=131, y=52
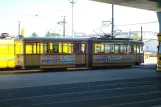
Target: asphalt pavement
x=143, y=92
x=138, y=86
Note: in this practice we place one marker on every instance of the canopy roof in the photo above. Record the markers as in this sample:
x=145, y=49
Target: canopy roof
x=153, y=5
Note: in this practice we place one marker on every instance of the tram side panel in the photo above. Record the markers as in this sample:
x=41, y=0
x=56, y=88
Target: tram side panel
x=6, y=53
x=101, y=58
x=80, y=53
x=32, y=55
x=141, y=54
x=19, y=55
x=57, y=61
x=138, y=54
x=60, y=56
x=113, y=60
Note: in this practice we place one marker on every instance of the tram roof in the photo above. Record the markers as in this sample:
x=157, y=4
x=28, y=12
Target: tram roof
x=116, y=40
x=52, y=38
x=152, y=5
x=120, y=41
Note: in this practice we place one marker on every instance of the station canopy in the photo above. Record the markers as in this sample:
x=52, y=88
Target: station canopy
x=152, y=5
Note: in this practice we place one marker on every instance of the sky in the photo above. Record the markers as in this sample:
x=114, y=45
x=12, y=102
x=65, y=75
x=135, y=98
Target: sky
x=42, y=15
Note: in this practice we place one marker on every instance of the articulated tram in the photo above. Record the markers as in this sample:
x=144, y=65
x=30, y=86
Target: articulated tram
x=51, y=53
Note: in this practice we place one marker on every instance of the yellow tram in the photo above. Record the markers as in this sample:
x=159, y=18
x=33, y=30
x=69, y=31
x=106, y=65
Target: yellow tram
x=159, y=53
x=51, y=53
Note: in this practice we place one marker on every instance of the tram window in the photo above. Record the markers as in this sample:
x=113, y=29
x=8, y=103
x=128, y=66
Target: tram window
x=38, y=48
x=41, y=48
x=51, y=47
x=83, y=46
x=47, y=47
x=28, y=48
x=132, y=48
x=138, y=49
x=34, y=48
x=141, y=48
x=55, y=47
x=97, y=48
x=70, y=48
x=67, y=48
x=123, y=48
x=135, y=49
x=107, y=48
x=116, y=48
x=112, y=48
x=102, y=48
x=79, y=48
x=3, y=48
x=129, y=49
x=18, y=48
x=60, y=48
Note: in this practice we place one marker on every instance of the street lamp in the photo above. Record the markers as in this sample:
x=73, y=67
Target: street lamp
x=72, y=2
x=19, y=28
x=63, y=22
x=63, y=26
x=112, y=30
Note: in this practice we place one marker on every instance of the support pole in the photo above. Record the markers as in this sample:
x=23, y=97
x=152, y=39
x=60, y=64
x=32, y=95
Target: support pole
x=72, y=19
x=159, y=19
x=19, y=27
x=112, y=31
x=72, y=2
x=141, y=33
x=64, y=26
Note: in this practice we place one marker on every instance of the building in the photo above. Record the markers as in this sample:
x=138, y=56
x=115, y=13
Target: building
x=151, y=45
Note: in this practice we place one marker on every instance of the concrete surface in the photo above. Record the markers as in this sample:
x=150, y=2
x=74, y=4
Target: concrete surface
x=53, y=78
x=150, y=60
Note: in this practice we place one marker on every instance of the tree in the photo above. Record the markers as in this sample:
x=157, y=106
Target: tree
x=52, y=34
x=136, y=36
x=34, y=34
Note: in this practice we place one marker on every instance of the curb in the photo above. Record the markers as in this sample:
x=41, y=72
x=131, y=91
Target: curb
x=19, y=71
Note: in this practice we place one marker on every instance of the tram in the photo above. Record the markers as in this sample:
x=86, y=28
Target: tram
x=52, y=53
x=159, y=53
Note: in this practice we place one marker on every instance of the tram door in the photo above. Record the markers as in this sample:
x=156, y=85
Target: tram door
x=137, y=54
x=80, y=54
x=32, y=56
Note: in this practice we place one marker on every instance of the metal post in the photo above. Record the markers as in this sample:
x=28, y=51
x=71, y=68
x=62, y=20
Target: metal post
x=72, y=2
x=19, y=27
x=64, y=26
x=112, y=21
x=141, y=33
x=72, y=17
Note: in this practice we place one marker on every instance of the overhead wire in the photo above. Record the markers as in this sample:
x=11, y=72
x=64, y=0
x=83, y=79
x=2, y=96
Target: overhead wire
x=138, y=23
